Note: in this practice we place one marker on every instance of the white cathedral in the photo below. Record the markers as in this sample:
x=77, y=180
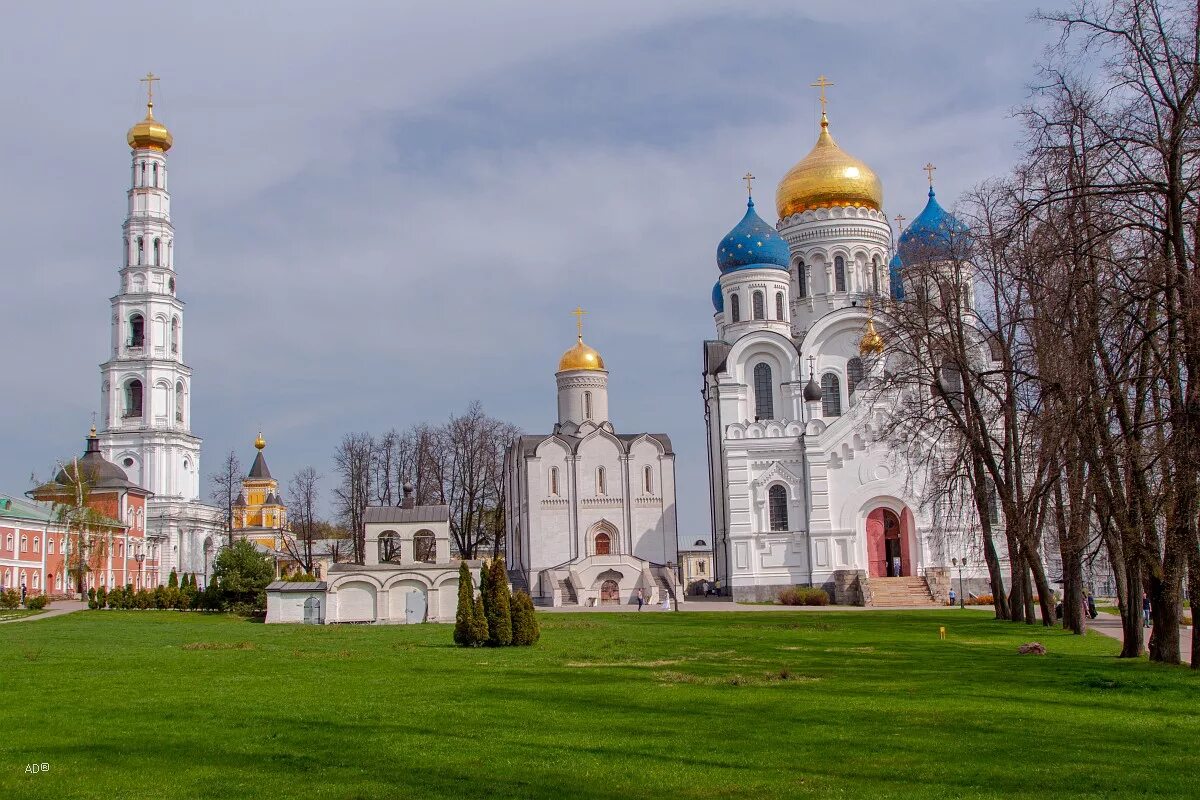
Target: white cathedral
x=145, y=390
x=589, y=512
x=802, y=491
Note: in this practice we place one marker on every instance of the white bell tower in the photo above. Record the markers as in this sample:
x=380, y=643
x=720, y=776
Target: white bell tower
x=145, y=391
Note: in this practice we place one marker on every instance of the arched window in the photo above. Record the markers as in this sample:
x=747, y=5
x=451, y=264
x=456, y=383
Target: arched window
x=37, y=544
x=735, y=308
x=8, y=543
x=424, y=547
x=601, y=482
x=554, y=481
x=875, y=274
x=587, y=405
x=157, y=249
x=143, y=173
x=854, y=374
x=24, y=543
x=36, y=578
x=760, y=311
x=141, y=249
x=779, y=305
x=137, y=330
x=175, y=334
x=603, y=543
x=154, y=173
x=802, y=278
x=764, y=401
x=648, y=479
x=831, y=395
x=50, y=545
x=777, y=507
x=179, y=402
x=389, y=547
x=839, y=273
x=133, y=398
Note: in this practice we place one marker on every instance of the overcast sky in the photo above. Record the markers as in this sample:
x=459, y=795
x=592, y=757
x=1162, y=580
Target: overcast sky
x=387, y=210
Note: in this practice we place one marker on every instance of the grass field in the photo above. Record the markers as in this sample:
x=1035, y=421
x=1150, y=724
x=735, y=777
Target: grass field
x=651, y=705
x=16, y=613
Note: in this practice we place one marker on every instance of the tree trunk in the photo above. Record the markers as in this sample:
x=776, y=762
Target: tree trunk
x=1164, y=614
x=1016, y=595
x=996, y=577
x=1131, y=615
x=1027, y=595
x=1073, y=619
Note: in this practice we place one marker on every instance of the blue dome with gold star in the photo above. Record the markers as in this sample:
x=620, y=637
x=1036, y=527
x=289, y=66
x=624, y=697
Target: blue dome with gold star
x=934, y=231
x=718, y=298
x=752, y=244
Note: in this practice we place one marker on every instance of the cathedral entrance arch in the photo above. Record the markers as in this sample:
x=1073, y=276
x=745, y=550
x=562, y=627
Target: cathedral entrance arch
x=610, y=593
x=889, y=552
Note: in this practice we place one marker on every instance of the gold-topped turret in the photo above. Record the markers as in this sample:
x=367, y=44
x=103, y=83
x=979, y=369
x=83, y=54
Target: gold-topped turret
x=580, y=356
x=828, y=176
x=871, y=343
x=150, y=133
x=260, y=442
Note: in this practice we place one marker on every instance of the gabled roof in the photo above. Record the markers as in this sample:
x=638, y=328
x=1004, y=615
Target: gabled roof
x=398, y=514
x=530, y=444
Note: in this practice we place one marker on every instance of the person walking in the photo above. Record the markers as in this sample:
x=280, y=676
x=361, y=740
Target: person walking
x=1145, y=610
x=1091, y=605
x=953, y=597
x=641, y=599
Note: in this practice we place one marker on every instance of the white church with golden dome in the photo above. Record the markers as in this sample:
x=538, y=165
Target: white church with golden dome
x=589, y=512
x=802, y=491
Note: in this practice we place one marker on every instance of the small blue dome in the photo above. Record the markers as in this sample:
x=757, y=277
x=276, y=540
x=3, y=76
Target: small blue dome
x=752, y=244
x=718, y=298
x=897, y=280
x=934, y=229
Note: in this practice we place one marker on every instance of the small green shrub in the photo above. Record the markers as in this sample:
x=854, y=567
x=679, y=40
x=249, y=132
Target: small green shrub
x=101, y=597
x=804, y=596
x=173, y=580
x=10, y=598
x=525, y=630
x=464, y=616
x=36, y=602
x=92, y=599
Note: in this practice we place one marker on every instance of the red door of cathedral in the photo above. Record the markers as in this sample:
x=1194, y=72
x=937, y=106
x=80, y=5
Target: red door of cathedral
x=876, y=550
x=610, y=592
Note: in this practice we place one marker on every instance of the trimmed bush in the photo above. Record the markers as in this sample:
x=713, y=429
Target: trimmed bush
x=101, y=597
x=479, y=626
x=497, y=606
x=524, y=620
x=980, y=600
x=804, y=596
x=173, y=581
x=91, y=599
x=464, y=617
x=10, y=598
x=36, y=602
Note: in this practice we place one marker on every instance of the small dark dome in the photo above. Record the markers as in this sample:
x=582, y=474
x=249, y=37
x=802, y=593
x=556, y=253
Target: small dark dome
x=94, y=469
x=812, y=391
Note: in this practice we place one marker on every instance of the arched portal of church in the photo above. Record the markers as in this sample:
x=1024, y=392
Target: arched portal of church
x=889, y=551
x=610, y=592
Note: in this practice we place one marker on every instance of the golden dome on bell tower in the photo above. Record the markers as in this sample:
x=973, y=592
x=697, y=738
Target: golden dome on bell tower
x=150, y=133
x=580, y=356
x=828, y=177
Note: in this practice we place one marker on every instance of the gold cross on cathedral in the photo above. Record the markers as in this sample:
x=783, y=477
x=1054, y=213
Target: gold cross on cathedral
x=748, y=178
x=822, y=83
x=929, y=168
x=900, y=221
x=579, y=312
x=149, y=81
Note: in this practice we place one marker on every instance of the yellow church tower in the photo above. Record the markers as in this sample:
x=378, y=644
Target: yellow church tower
x=259, y=514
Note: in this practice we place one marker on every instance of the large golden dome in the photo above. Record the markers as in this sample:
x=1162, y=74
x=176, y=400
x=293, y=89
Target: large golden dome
x=828, y=177
x=150, y=133
x=580, y=357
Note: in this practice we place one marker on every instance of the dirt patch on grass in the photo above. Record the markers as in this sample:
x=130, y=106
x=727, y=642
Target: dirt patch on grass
x=662, y=662
x=736, y=679
x=219, y=646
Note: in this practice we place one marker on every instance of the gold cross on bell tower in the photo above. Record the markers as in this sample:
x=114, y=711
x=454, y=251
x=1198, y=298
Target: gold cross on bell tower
x=929, y=168
x=822, y=83
x=579, y=312
x=149, y=81
x=748, y=178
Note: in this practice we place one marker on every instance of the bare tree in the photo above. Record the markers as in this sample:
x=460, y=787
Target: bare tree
x=302, y=515
x=226, y=486
x=353, y=461
x=473, y=453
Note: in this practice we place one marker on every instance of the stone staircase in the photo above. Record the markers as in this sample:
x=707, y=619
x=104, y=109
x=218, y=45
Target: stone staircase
x=900, y=592
x=517, y=582
x=567, y=593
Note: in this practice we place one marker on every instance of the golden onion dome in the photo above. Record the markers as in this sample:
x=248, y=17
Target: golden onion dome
x=150, y=133
x=580, y=357
x=260, y=442
x=828, y=177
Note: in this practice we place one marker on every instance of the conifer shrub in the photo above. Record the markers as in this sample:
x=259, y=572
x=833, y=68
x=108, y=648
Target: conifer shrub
x=499, y=609
x=101, y=597
x=173, y=581
x=144, y=599
x=479, y=626
x=464, y=629
x=524, y=620
x=160, y=597
x=91, y=599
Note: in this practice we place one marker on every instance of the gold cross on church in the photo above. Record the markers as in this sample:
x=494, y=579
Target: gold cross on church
x=747, y=178
x=149, y=81
x=822, y=83
x=929, y=168
x=579, y=312
x=900, y=221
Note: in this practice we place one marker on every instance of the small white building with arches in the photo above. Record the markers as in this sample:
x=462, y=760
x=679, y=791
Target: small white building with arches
x=590, y=513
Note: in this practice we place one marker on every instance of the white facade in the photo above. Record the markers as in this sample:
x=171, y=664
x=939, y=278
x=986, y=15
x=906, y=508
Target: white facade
x=590, y=513
x=145, y=385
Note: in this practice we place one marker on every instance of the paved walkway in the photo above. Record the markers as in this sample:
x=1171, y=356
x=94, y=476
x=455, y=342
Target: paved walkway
x=1110, y=625
x=697, y=604
x=56, y=609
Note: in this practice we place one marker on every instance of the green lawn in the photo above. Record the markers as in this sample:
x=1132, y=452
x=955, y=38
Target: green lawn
x=16, y=613
x=650, y=705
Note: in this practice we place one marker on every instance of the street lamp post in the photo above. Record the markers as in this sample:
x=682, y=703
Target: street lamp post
x=139, y=558
x=962, y=598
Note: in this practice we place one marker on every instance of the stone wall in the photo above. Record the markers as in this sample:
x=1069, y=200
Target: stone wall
x=938, y=579
x=848, y=587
